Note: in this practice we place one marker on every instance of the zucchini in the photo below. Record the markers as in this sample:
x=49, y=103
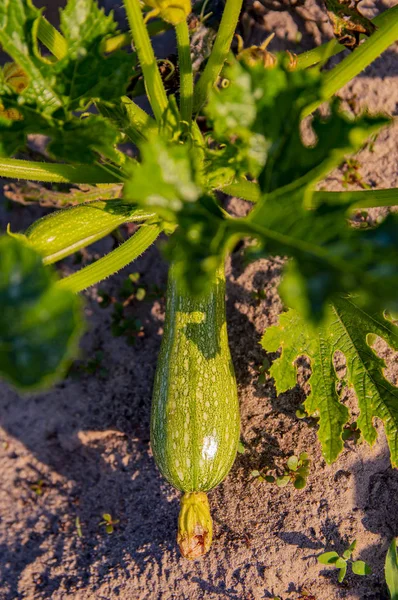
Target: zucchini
x=65, y=231
x=195, y=411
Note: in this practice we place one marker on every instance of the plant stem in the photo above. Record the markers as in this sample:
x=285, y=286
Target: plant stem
x=153, y=81
x=316, y=55
x=112, y=262
x=186, y=74
x=41, y=171
x=52, y=39
x=358, y=199
x=248, y=190
x=121, y=40
x=363, y=56
x=219, y=52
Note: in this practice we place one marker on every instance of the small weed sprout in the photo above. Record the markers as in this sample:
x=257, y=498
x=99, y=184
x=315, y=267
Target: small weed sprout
x=241, y=447
x=359, y=567
x=351, y=432
x=78, y=526
x=297, y=471
x=109, y=522
x=38, y=487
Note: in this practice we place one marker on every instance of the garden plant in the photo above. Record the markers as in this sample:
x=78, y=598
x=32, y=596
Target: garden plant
x=233, y=128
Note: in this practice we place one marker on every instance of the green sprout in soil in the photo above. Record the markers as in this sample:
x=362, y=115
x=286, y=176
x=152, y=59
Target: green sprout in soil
x=352, y=174
x=263, y=371
x=38, y=487
x=359, y=567
x=262, y=475
x=352, y=432
x=78, y=526
x=296, y=472
x=241, y=447
x=109, y=522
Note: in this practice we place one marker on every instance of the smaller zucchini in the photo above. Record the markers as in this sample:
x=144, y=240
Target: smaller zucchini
x=67, y=230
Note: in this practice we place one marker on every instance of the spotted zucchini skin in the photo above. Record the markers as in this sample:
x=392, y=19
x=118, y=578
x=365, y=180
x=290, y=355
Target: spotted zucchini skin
x=195, y=419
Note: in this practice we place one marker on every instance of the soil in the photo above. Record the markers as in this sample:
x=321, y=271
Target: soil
x=82, y=449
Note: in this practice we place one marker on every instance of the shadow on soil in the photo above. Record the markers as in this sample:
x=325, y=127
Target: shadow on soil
x=115, y=474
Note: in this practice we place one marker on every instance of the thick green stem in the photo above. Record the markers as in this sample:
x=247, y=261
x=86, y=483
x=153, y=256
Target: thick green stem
x=250, y=191
x=219, y=53
x=186, y=75
x=41, y=171
x=358, y=60
x=358, y=199
x=112, y=262
x=153, y=81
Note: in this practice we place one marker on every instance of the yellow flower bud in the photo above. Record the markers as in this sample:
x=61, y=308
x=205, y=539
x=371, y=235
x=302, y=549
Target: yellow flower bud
x=15, y=77
x=171, y=11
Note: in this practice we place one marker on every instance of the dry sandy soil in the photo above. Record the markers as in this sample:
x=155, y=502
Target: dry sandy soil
x=88, y=441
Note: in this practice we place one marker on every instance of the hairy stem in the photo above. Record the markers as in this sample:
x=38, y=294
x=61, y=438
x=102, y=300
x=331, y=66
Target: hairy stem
x=41, y=171
x=219, y=53
x=153, y=81
x=186, y=75
x=112, y=262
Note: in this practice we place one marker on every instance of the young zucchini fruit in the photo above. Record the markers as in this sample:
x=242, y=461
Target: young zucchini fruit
x=65, y=231
x=195, y=412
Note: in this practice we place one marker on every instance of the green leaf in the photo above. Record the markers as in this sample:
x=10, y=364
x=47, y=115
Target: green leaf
x=282, y=481
x=330, y=256
x=85, y=73
x=359, y=567
x=328, y=558
x=39, y=324
x=267, y=104
x=346, y=328
x=292, y=463
x=241, y=447
x=342, y=573
x=303, y=471
x=18, y=37
x=341, y=563
x=232, y=113
x=164, y=180
x=299, y=483
x=391, y=570
x=347, y=553
x=74, y=140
